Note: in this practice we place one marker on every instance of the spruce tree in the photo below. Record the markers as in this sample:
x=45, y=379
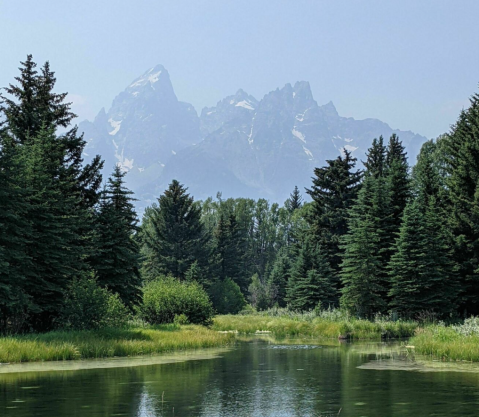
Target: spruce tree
x=55, y=245
x=116, y=261
x=362, y=269
x=295, y=200
x=278, y=278
x=173, y=234
x=376, y=158
x=462, y=182
x=229, y=250
x=312, y=279
x=397, y=174
x=421, y=269
x=15, y=231
x=334, y=191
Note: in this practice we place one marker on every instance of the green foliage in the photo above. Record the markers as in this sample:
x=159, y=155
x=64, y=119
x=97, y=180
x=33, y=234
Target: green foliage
x=229, y=248
x=116, y=260
x=166, y=297
x=362, y=268
x=51, y=197
x=421, y=268
x=461, y=155
x=278, y=279
x=227, y=297
x=88, y=306
x=295, y=200
x=172, y=234
x=284, y=323
x=108, y=343
x=258, y=294
x=334, y=191
x=311, y=282
x=397, y=176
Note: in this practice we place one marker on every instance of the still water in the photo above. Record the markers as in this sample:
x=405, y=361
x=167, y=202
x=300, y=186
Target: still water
x=255, y=378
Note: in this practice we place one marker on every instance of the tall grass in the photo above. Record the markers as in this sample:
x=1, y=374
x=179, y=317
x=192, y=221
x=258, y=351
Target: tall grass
x=334, y=324
x=70, y=345
x=446, y=343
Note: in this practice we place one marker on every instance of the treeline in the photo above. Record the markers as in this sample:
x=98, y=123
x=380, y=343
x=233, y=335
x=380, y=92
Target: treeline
x=385, y=239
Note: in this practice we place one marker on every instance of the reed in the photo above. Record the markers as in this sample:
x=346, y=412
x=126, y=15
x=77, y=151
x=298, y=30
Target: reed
x=446, y=343
x=320, y=327
x=71, y=345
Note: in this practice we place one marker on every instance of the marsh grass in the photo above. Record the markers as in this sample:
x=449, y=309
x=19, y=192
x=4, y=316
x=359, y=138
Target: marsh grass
x=446, y=343
x=71, y=345
x=313, y=326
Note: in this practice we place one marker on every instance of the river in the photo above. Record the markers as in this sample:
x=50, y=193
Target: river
x=254, y=378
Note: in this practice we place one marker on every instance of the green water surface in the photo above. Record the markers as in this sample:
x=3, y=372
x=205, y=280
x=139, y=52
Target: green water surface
x=254, y=378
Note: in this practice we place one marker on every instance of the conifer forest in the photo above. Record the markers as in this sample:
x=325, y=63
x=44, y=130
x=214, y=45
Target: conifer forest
x=384, y=235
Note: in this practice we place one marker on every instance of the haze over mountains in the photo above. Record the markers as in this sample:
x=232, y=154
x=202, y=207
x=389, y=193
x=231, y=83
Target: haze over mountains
x=243, y=147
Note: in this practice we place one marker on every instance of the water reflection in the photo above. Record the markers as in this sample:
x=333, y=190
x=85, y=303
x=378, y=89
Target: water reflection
x=258, y=378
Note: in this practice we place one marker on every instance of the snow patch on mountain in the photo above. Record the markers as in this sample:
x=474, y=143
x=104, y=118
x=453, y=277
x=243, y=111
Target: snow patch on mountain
x=299, y=135
x=308, y=152
x=115, y=125
x=245, y=104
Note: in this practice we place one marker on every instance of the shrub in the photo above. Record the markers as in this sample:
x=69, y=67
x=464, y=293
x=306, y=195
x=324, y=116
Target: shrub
x=87, y=306
x=165, y=298
x=227, y=297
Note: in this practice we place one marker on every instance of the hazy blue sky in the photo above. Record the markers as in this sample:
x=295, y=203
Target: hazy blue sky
x=410, y=63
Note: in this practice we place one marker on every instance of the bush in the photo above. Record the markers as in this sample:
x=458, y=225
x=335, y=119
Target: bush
x=88, y=306
x=227, y=297
x=165, y=298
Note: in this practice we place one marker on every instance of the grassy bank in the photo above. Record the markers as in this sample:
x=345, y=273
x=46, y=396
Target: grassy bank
x=70, y=345
x=297, y=325
x=446, y=343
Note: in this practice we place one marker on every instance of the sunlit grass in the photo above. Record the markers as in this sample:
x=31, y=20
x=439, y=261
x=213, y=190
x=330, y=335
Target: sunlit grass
x=315, y=327
x=70, y=345
x=444, y=343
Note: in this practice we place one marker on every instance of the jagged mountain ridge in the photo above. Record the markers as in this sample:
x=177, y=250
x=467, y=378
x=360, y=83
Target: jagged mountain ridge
x=241, y=147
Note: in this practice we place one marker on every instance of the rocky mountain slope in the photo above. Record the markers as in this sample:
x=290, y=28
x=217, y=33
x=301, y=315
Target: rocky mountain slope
x=241, y=147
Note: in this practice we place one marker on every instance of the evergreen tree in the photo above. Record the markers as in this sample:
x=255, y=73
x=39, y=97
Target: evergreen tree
x=362, y=269
x=15, y=231
x=311, y=282
x=31, y=106
x=421, y=268
x=116, y=260
x=278, y=279
x=462, y=181
x=229, y=250
x=33, y=103
x=376, y=158
x=55, y=245
x=295, y=200
x=398, y=179
x=334, y=191
x=173, y=234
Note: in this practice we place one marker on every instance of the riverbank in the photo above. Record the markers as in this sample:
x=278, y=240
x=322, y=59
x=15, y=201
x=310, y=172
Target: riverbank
x=107, y=343
x=446, y=344
x=308, y=325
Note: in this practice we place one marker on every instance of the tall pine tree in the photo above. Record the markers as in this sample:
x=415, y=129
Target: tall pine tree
x=362, y=269
x=173, y=234
x=421, y=269
x=116, y=260
x=462, y=181
x=312, y=279
x=334, y=191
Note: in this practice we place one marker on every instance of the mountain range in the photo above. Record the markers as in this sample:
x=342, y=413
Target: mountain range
x=242, y=147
